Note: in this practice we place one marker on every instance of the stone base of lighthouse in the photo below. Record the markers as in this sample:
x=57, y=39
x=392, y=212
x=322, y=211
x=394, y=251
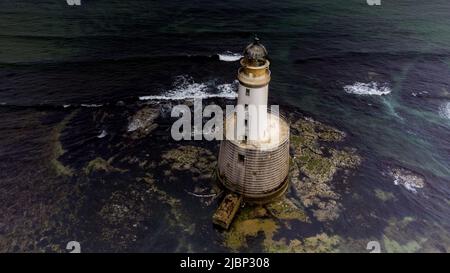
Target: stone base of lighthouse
x=256, y=170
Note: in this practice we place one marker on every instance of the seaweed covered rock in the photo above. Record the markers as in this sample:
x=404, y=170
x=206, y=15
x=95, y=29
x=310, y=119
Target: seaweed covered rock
x=320, y=243
x=246, y=225
x=254, y=220
x=316, y=160
x=143, y=122
x=100, y=164
x=410, y=180
x=194, y=159
x=315, y=165
x=121, y=215
x=285, y=209
x=396, y=229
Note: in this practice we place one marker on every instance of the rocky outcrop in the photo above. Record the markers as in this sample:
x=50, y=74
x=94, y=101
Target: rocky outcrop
x=406, y=178
x=143, y=122
x=316, y=164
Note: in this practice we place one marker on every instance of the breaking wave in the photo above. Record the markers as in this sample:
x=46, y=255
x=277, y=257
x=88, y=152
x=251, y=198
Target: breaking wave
x=420, y=93
x=186, y=88
x=408, y=179
x=444, y=110
x=230, y=56
x=102, y=134
x=372, y=88
x=228, y=90
x=93, y=105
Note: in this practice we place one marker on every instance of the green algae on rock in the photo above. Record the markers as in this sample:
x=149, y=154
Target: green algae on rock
x=320, y=243
x=285, y=209
x=236, y=237
x=403, y=235
x=315, y=165
x=253, y=220
x=58, y=151
x=191, y=158
x=308, y=131
x=199, y=164
x=406, y=235
x=100, y=164
x=393, y=246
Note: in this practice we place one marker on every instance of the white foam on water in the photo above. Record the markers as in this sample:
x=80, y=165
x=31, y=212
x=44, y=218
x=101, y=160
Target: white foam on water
x=102, y=134
x=91, y=105
x=230, y=56
x=228, y=90
x=444, y=110
x=415, y=94
x=407, y=184
x=410, y=181
x=185, y=88
x=371, y=88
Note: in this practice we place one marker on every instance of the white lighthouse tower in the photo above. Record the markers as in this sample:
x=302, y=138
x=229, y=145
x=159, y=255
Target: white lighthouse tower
x=254, y=157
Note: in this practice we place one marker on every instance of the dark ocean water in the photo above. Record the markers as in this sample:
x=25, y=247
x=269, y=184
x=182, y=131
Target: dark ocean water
x=105, y=51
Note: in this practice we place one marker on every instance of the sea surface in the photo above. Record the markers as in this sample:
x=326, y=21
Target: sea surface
x=381, y=74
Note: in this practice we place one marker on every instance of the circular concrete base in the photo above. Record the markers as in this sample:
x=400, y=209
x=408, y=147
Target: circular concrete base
x=261, y=198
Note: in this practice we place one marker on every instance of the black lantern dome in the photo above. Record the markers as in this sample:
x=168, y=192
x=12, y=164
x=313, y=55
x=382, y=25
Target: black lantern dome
x=255, y=53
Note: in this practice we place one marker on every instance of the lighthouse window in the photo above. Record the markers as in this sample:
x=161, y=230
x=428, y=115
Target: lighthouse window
x=241, y=158
x=247, y=92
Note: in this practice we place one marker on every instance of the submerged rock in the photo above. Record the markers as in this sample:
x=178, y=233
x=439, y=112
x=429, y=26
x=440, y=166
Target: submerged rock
x=58, y=151
x=100, y=164
x=177, y=217
x=393, y=246
x=401, y=236
x=384, y=196
x=394, y=239
x=122, y=214
x=320, y=243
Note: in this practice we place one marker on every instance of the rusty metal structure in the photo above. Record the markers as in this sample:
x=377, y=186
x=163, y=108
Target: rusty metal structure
x=227, y=210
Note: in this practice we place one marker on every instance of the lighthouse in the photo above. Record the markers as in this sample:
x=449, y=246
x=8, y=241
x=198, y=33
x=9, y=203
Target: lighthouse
x=254, y=155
